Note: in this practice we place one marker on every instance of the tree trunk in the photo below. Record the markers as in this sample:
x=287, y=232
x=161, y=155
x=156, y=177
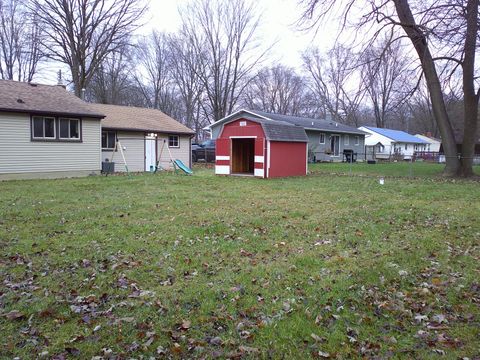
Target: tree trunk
x=419, y=41
x=470, y=98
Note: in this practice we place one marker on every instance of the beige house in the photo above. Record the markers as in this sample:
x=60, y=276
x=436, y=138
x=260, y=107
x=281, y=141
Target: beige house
x=145, y=135
x=46, y=131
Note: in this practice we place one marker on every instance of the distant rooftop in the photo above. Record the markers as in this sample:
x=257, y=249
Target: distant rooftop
x=397, y=135
x=311, y=124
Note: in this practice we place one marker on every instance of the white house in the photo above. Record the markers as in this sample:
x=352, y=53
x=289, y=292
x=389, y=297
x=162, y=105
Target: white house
x=433, y=144
x=388, y=143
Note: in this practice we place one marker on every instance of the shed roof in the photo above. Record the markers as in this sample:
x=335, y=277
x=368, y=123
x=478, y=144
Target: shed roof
x=139, y=119
x=306, y=123
x=277, y=130
x=42, y=99
x=397, y=135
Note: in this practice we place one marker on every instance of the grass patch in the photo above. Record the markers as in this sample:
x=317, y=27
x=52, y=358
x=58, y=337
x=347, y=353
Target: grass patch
x=400, y=169
x=207, y=266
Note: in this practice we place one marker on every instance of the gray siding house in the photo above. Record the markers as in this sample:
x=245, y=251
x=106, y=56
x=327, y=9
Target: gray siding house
x=45, y=131
x=327, y=139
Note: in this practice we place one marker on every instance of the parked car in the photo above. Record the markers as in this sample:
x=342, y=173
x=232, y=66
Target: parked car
x=204, y=151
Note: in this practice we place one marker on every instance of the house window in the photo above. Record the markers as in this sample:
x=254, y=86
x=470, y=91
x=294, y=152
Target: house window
x=357, y=140
x=173, y=141
x=347, y=140
x=406, y=146
x=108, y=140
x=44, y=128
x=69, y=129
x=380, y=148
x=322, y=138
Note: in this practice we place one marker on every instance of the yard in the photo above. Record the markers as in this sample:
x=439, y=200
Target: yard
x=203, y=266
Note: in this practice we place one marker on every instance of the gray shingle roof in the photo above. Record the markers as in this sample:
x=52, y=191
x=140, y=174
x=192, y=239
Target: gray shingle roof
x=42, y=99
x=278, y=130
x=311, y=124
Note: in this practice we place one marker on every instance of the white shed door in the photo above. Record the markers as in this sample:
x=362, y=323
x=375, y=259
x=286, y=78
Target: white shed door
x=150, y=154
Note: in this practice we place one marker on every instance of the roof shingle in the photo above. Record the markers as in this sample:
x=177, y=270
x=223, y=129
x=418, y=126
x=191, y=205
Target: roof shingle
x=139, y=119
x=311, y=124
x=42, y=99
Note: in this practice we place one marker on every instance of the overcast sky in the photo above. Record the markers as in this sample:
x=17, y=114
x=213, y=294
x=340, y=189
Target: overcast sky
x=277, y=27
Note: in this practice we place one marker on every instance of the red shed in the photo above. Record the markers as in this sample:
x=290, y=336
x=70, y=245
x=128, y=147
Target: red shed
x=260, y=147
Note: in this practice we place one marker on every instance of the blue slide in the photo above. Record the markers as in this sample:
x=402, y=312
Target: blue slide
x=183, y=167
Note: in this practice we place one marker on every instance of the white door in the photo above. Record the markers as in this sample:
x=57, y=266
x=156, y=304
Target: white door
x=150, y=154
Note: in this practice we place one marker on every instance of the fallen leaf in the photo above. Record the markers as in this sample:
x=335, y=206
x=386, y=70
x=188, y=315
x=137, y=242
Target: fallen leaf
x=185, y=325
x=324, y=354
x=14, y=315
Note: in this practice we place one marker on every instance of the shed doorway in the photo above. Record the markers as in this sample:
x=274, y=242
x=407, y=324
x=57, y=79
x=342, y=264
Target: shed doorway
x=243, y=156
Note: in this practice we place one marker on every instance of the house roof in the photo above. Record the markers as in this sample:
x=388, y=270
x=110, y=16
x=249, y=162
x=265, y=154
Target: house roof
x=139, y=119
x=276, y=130
x=306, y=123
x=312, y=124
x=428, y=138
x=42, y=99
x=397, y=135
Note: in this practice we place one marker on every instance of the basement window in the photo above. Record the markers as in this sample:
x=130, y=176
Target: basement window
x=173, y=141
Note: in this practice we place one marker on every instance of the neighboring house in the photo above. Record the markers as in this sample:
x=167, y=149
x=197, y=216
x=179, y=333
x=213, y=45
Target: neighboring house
x=458, y=134
x=388, y=143
x=46, y=131
x=433, y=144
x=248, y=145
x=144, y=135
x=327, y=139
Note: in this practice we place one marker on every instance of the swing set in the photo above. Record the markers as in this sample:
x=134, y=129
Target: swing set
x=177, y=164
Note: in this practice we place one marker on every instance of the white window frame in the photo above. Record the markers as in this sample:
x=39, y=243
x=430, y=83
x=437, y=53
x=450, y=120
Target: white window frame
x=69, y=138
x=43, y=121
x=114, y=135
x=178, y=141
x=357, y=140
x=320, y=139
x=346, y=140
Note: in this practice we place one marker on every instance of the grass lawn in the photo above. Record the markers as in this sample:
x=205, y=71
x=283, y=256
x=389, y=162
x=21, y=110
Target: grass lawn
x=203, y=266
x=400, y=169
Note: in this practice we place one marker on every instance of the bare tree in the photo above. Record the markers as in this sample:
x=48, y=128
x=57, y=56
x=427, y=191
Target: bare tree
x=154, y=71
x=186, y=68
x=335, y=80
x=280, y=90
x=112, y=82
x=223, y=34
x=81, y=33
x=20, y=37
x=386, y=76
x=444, y=35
